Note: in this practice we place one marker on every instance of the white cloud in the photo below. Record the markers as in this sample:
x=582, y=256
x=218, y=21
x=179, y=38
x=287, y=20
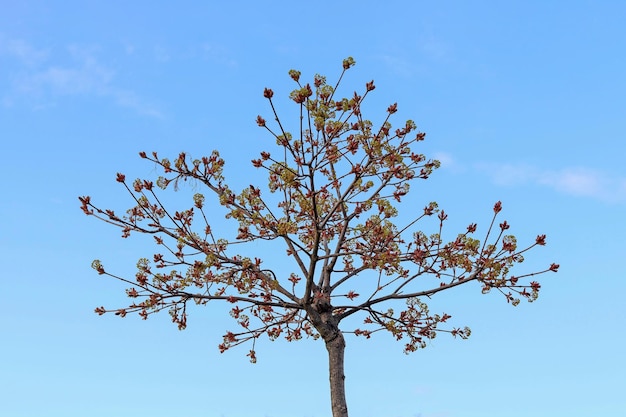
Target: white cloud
x=577, y=181
x=129, y=99
x=433, y=47
x=218, y=54
x=161, y=54
x=446, y=159
x=80, y=74
x=22, y=51
x=509, y=174
x=129, y=48
x=85, y=77
x=397, y=64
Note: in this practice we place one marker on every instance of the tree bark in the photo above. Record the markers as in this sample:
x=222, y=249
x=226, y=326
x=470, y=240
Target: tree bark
x=336, y=347
x=322, y=318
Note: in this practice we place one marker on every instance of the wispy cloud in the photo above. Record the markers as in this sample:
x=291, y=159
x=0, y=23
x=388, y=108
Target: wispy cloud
x=80, y=73
x=131, y=100
x=161, y=54
x=85, y=75
x=397, y=64
x=218, y=54
x=430, y=50
x=25, y=53
x=447, y=160
x=577, y=181
x=433, y=48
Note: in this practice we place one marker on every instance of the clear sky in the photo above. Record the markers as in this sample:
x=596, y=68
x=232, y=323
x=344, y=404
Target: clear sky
x=523, y=101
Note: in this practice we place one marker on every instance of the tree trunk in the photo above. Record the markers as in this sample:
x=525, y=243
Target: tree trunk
x=336, y=347
x=321, y=316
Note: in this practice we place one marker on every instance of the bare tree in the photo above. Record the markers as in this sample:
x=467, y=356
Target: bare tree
x=334, y=188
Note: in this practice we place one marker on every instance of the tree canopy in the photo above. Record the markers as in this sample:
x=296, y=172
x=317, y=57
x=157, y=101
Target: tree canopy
x=332, y=200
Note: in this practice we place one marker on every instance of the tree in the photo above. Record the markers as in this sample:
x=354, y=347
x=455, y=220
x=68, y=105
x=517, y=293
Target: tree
x=334, y=189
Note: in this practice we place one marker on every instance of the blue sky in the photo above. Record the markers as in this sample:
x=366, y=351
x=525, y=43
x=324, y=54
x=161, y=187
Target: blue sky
x=522, y=101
